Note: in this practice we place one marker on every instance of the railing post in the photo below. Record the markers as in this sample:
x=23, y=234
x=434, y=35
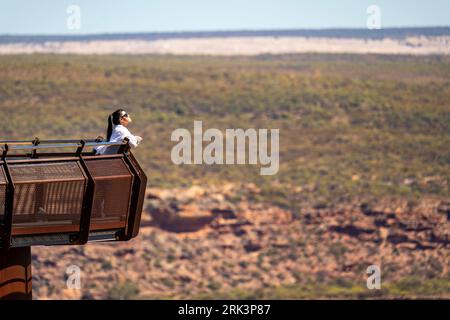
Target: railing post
x=124, y=148
x=88, y=200
x=35, y=142
x=9, y=204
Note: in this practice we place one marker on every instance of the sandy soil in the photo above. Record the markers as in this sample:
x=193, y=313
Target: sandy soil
x=239, y=46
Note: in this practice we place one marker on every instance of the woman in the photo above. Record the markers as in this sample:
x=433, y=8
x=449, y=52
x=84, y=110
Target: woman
x=117, y=131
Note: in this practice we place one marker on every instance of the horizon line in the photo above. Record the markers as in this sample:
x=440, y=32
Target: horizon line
x=206, y=31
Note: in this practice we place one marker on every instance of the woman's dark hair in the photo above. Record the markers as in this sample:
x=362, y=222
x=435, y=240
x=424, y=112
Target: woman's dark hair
x=114, y=119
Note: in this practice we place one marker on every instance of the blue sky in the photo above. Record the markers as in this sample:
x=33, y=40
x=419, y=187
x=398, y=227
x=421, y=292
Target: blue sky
x=100, y=16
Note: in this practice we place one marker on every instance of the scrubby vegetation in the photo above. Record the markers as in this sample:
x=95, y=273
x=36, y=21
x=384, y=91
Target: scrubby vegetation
x=408, y=287
x=349, y=125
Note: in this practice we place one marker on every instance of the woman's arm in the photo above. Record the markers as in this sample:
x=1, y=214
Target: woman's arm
x=133, y=140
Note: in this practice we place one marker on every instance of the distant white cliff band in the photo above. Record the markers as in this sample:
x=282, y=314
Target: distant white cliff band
x=227, y=46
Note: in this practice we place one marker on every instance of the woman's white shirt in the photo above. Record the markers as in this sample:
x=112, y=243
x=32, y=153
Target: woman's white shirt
x=119, y=133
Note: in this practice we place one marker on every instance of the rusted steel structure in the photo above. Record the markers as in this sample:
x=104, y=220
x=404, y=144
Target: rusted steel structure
x=51, y=196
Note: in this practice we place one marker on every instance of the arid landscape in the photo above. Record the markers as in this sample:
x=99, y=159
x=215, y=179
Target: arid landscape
x=195, y=243
x=363, y=179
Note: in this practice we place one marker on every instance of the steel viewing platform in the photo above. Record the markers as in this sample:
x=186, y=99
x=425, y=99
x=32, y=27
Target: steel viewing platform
x=49, y=196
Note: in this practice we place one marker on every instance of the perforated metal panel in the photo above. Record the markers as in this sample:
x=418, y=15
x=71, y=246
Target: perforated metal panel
x=113, y=182
x=48, y=196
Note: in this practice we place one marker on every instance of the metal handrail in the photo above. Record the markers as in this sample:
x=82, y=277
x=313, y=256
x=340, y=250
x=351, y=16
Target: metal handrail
x=42, y=145
x=48, y=141
x=105, y=143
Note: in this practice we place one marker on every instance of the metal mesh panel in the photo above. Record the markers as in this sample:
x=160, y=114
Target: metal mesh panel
x=108, y=168
x=47, y=195
x=45, y=171
x=113, y=183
